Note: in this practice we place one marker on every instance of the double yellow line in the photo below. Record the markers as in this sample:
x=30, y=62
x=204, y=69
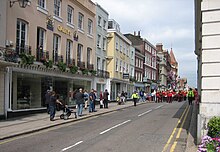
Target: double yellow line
x=174, y=130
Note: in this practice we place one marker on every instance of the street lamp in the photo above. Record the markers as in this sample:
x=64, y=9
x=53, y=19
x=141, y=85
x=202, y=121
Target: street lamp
x=22, y=3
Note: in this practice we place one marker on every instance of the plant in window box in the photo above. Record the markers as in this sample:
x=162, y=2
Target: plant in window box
x=48, y=63
x=73, y=69
x=61, y=66
x=93, y=72
x=27, y=59
x=85, y=71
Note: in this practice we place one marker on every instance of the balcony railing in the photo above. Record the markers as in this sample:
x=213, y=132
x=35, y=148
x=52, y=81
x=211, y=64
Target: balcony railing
x=90, y=66
x=8, y=55
x=71, y=62
x=57, y=58
x=26, y=49
x=81, y=65
x=42, y=55
x=103, y=74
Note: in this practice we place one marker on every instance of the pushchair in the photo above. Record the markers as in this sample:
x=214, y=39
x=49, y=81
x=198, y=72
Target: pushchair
x=66, y=112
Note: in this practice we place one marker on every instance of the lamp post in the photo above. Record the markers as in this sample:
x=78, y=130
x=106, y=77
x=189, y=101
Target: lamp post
x=22, y=3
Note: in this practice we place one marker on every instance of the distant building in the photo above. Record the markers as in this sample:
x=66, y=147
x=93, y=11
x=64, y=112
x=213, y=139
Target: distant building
x=174, y=70
x=118, y=59
x=145, y=63
x=163, y=64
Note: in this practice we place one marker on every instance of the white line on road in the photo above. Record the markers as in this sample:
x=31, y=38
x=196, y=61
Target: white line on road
x=144, y=113
x=64, y=149
x=114, y=127
x=159, y=107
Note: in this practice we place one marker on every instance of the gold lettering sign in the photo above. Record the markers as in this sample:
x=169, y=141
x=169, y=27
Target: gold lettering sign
x=64, y=30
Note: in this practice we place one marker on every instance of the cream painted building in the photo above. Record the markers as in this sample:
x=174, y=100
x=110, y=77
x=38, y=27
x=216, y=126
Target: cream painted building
x=118, y=59
x=207, y=49
x=57, y=31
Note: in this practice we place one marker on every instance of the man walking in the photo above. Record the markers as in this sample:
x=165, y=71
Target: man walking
x=105, y=97
x=92, y=98
x=79, y=96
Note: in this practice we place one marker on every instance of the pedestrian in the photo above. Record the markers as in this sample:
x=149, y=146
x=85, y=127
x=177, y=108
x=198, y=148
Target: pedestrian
x=101, y=100
x=52, y=105
x=86, y=98
x=79, y=96
x=135, y=97
x=122, y=97
x=47, y=100
x=105, y=98
x=92, y=98
x=141, y=94
x=196, y=96
x=190, y=96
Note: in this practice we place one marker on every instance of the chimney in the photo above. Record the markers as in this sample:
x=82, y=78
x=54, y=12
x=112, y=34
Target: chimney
x=159, y=47
x=139, y=33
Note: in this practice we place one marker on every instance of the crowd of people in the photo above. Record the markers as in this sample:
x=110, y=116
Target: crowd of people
x=166, y=96
x=84, y=99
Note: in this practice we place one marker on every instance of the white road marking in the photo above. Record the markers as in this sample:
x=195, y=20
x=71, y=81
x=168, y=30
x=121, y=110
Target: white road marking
x=159, y=107
x=114, y=127
x=64, y=149
x=144, y=113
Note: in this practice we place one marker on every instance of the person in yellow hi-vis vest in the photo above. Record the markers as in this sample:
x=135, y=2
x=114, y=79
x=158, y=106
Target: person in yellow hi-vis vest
x=190, y=96
x=135, y=97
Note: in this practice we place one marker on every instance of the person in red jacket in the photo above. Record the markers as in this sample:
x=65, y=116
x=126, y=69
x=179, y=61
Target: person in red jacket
x=169, y=96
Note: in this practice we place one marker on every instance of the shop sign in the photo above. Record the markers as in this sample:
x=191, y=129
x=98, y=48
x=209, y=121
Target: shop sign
x=50, y=23
x=125, y=75
x=63, y=30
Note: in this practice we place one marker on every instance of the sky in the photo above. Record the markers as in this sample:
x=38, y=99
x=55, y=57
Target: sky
x=170, y=22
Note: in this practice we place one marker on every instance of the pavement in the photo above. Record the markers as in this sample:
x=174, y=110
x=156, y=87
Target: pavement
x=36, y=122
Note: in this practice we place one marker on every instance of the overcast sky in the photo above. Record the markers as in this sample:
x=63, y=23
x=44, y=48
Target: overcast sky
x=170, y=22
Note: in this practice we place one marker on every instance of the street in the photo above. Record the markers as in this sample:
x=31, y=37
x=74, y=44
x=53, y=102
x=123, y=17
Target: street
x=150, y=127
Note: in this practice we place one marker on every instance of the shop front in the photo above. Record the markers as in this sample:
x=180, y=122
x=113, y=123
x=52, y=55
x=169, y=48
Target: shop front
x=25, y=89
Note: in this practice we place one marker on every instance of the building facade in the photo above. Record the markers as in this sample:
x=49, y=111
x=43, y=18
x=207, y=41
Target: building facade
x=163, y=72
x=49, y=45
x=118, y=59
x=207, y=49
x=102, y=80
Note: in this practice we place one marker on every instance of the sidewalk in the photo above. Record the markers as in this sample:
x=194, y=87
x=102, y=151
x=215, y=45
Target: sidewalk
x=36, y=122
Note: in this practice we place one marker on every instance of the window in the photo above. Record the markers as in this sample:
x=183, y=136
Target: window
x=42, y=3
x=40, y=37
x=69, y=52
x=104, y=44
x=80, y=21
x=104, y=24
x=120, y=66
x=98, y=40
x=98, y=63
x=21, y=37
x=56, y=47
x=57, y=7
x=103, y=65
x=70, y=14
x=90, y=25
x=117, y=46
x=99, y=20
x=89, y=52
x=79, y=52
x=116, y=64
